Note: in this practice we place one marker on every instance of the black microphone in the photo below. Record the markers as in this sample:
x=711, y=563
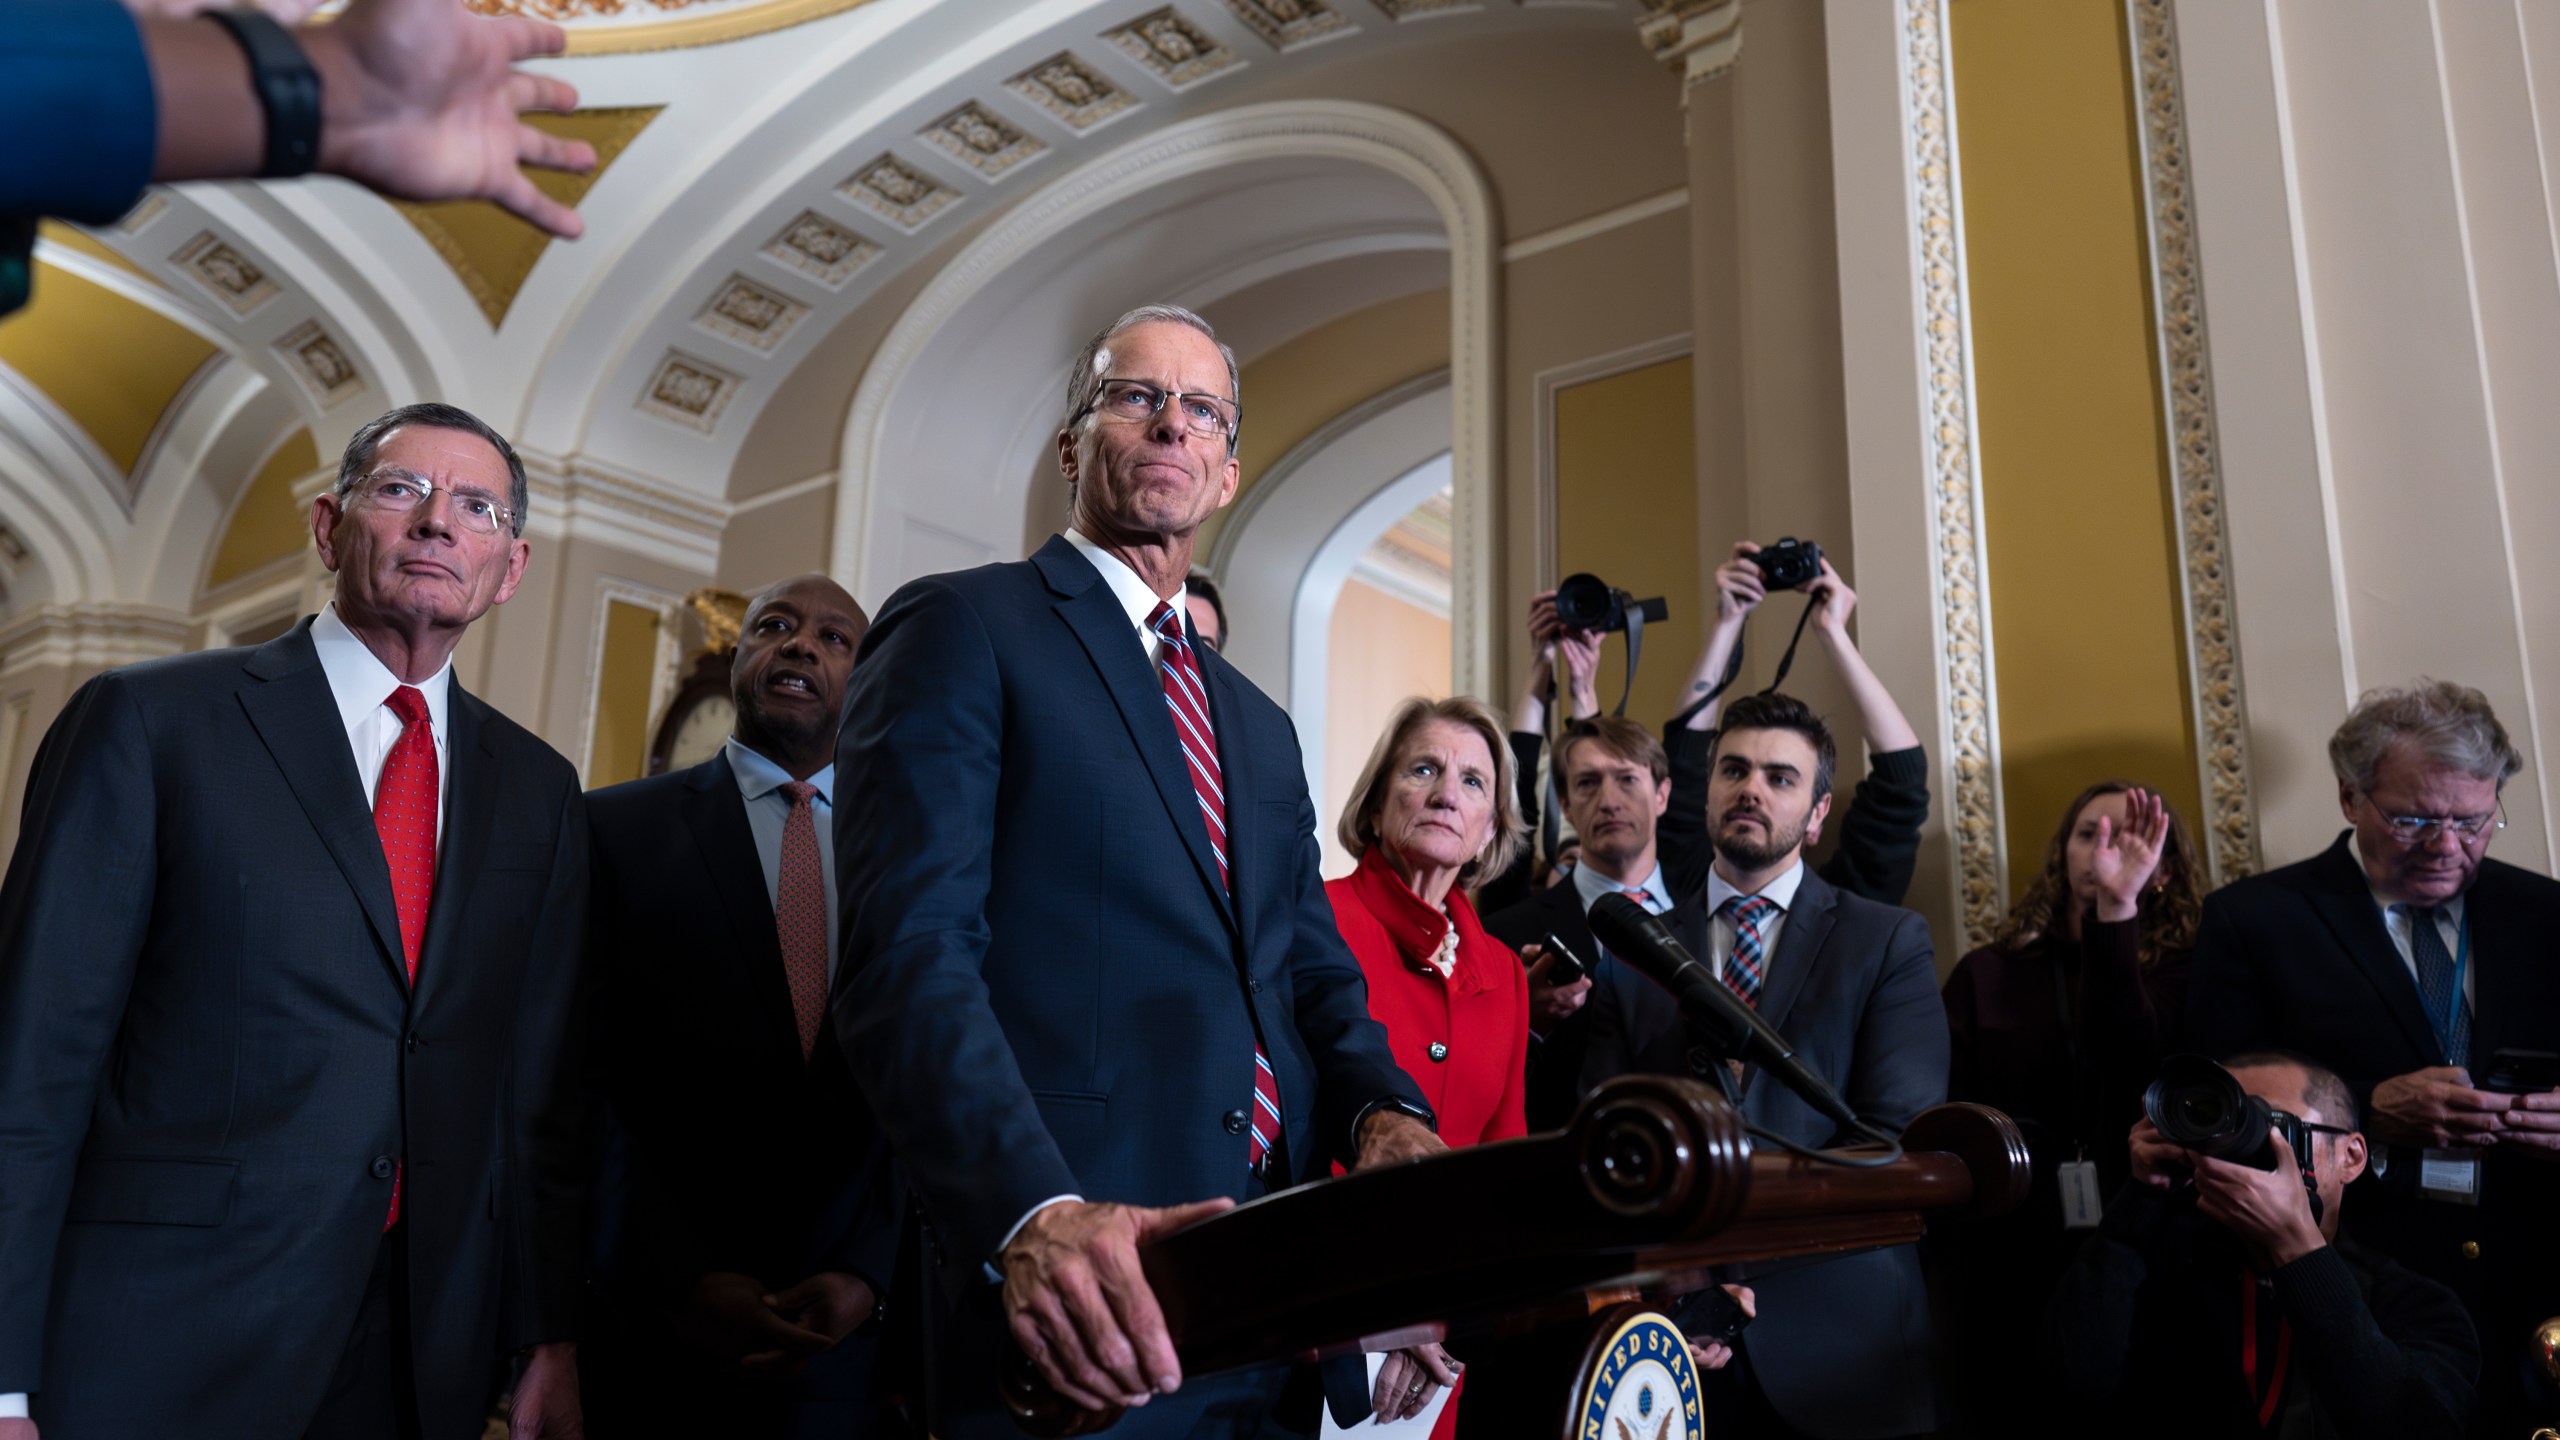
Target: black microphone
x=1635, y=936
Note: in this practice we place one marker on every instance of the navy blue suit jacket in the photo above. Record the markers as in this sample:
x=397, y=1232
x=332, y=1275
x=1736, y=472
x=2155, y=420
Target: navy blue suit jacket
x=210, y=1054
x=74, y=73
x=1043, y=987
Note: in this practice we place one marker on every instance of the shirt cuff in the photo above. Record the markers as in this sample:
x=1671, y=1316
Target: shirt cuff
x=997, y=1275
x=13, y=1407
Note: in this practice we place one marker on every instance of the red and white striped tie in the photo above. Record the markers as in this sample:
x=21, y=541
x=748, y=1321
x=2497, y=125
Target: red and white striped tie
x=1188, y=699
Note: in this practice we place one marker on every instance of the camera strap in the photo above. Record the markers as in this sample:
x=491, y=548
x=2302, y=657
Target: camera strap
x=1732, y=667
x=2273, y=1395
x=1635, y=648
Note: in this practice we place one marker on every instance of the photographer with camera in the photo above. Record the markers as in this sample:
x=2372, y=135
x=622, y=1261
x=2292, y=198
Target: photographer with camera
x=1880, y=824
x=2218, y=1297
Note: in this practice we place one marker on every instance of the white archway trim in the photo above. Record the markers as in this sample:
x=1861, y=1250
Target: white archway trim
x=1403, y=145
x=1320, y=586
x=1297, y=508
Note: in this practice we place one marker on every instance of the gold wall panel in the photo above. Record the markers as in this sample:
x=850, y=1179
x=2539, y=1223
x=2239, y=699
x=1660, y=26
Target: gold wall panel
x=624, y=677
x=1627, y=511
x=2084, y=564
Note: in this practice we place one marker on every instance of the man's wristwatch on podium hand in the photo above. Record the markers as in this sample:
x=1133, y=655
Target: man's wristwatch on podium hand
x=1398, y=1104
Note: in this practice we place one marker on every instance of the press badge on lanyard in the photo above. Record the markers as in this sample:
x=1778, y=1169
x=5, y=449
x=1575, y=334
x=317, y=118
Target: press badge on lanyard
x=2452, y=1176
x=2078, y=1182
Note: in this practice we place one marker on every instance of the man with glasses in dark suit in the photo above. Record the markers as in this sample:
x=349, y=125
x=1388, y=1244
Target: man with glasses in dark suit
x=291, y=995
x=2409, y=960
x=1089, y=977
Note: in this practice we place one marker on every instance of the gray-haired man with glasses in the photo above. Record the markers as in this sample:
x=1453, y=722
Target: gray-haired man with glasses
x=2428, y=974
x=291, y=959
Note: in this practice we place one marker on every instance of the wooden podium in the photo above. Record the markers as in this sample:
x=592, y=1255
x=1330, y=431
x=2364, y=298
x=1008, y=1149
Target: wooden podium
x=1652, y=1185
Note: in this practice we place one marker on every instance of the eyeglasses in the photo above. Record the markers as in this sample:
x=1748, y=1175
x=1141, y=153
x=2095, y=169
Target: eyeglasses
x=399, y=491
x=1137, y=402
x=2411, y=831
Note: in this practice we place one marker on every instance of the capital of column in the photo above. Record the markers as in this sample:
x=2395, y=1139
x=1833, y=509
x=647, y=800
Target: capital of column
x=1702, y=38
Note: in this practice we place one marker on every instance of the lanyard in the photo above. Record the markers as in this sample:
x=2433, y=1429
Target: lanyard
x=2249, y=1351
x=2443, y=1025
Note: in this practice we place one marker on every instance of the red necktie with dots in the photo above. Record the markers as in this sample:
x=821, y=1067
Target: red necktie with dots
x=1189, y=701
x=800, y=913
x=404, y=815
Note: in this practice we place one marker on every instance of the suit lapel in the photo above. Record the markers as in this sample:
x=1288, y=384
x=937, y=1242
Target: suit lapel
x=296, y=717
x=715, y=812
x=2344, y=902
x=1094, y=614
x=1799, y=947
x=470, y=811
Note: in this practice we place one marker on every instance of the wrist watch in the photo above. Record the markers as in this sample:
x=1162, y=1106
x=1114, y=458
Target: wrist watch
x=1398, y=1104
x=288, y=90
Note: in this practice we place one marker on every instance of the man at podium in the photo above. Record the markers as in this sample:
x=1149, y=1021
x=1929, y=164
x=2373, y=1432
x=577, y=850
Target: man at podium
x=1089, y=978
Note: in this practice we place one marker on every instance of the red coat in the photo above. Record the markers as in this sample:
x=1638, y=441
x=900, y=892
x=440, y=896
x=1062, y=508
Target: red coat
x=1479, y=1016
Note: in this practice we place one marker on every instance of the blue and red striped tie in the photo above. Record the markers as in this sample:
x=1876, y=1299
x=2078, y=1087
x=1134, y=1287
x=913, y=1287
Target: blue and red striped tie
x=1188, y=699
x=1748, y=965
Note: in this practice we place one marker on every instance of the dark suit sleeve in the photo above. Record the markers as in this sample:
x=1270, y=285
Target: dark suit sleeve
x=1681, y=834
x=1880, y=827
x=2088, y=1328
x=2401, y=1368
x=2226, y=1005
x=1513, y=885
x=1904, y=1029
x=1354, y=1068
x=918, y=766
x=74, y=913
x=550, y=1130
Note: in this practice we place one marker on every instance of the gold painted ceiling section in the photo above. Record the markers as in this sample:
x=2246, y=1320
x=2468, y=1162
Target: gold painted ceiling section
x=69, y=237
x=491, y=251
x=266, y=525
x=111, y=365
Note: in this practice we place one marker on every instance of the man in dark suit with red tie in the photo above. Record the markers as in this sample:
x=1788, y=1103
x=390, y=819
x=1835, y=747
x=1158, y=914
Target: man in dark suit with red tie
x=749, y=1226
x=290, y=996
x=1090, y=980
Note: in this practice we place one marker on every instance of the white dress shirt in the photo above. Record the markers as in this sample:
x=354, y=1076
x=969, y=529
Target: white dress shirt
x=1780, y=892
x=2396, y=923
x=760, y=783
x=361, y=684
x=1590, y=884
x=1134, y=594
x=1139, y=600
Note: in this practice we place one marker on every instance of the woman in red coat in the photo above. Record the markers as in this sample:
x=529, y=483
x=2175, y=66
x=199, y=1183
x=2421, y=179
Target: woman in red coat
x=1434, y=810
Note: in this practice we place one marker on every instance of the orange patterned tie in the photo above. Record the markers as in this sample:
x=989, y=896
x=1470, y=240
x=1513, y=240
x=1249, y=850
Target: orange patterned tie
x=800, y=913
x=404, y=815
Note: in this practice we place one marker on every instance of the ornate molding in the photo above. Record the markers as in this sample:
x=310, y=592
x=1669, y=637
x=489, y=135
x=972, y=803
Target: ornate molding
x=1963, y=598
x=579, y=498
x=90, y=637
x=1400, y=144
x=2195, y=452
x=1700, y=38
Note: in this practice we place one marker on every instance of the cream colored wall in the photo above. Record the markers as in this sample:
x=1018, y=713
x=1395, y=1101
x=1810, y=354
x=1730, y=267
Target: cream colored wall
x=2375, y=193
x=1383, y=651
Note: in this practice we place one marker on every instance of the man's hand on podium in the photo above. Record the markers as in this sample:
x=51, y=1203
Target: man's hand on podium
x=1388, y=1136
x=1080, y=1307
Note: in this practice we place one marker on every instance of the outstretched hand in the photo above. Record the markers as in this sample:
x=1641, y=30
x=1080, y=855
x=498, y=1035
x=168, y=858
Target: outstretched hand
x=422, y=103
x=2127, y=856
x=1081, y=1308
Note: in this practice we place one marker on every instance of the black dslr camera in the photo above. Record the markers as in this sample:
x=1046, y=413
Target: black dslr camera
x=1789, y=563
x=2199, y=1105
x=1585, y=602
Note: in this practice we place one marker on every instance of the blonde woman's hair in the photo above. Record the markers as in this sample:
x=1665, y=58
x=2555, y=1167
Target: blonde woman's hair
x=1359, y=825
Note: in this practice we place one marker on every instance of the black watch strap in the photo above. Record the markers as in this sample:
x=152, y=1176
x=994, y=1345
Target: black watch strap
x=288, y=91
